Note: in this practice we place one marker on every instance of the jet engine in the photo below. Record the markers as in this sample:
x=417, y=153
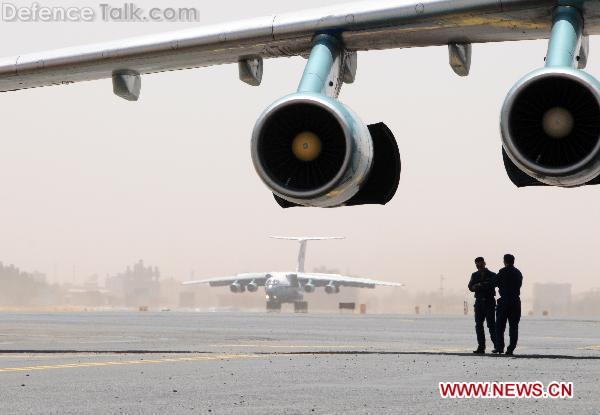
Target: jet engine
x=551, y=127
x=236, y=287
x=252, y=287
x=312, y=150
x=332, y=288
x=550, y=120
x=309, y=287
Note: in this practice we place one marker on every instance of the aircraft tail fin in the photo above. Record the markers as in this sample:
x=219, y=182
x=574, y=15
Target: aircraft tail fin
x=303, y=241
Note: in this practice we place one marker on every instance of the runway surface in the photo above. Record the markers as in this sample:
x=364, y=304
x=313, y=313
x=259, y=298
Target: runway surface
x=254, y=363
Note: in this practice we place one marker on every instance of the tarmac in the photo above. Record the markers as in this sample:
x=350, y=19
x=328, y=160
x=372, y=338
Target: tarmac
x=259, y=363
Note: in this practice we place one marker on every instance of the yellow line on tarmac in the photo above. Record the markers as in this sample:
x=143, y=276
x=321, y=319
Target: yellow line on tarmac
x=128, y=362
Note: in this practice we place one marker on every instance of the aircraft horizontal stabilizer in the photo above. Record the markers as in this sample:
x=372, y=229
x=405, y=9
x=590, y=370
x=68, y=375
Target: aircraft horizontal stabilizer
x=308, y=238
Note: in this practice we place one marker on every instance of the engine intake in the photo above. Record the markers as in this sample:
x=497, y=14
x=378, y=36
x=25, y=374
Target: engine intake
x=332, y=288
x=311, y=150
x=551, y=127
x=309, y=287
x=236, y=287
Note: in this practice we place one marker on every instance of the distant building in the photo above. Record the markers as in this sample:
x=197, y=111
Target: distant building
x=19, y=288
x=587, y=304
x=136, y=287
x=87, y=295
x=553, y=299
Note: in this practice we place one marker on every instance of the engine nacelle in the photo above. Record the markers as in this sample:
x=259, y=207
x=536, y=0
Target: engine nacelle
x=252, y=287
x=332, y=288
x=309, y=287
x=236, y=287
x=311, y=150
x=550, y=127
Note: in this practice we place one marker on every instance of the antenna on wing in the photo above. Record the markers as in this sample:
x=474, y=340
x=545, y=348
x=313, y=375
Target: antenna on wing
x=303, y=240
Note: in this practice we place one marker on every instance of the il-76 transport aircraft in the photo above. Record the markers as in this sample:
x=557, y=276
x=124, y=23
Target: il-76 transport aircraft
x=289, y=287
x=312, y=150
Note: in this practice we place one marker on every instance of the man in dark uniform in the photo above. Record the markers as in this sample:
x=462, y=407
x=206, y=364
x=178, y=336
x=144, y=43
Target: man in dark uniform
x=482, y=283
x=508, y=281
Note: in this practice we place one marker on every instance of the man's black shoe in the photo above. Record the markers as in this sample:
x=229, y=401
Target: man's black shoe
x=509, y=352
x=480, y=350
x=495, y=351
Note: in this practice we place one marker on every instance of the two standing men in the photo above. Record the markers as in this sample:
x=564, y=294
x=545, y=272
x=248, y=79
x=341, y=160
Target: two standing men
x=483, y=283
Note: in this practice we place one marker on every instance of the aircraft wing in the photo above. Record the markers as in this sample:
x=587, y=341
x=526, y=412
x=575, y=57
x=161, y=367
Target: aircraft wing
x=244, y=279
x=373, y=24
x=321, y=280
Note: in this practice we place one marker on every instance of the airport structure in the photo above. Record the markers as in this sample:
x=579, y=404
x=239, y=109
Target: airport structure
x=19, y=288
x=551, y=299
x=138, y=285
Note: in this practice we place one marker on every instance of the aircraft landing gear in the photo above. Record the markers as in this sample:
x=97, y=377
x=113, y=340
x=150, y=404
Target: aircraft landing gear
x=301, y=307
x=273, y=306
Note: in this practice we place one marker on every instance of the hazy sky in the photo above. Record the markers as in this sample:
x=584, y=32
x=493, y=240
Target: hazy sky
x=95, y=182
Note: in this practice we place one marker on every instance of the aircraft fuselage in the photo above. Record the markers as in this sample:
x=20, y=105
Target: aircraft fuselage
x=280, y=288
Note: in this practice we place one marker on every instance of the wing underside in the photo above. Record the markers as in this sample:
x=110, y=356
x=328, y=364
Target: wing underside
x=321, y=280
x=243, y=279
x=376, y=24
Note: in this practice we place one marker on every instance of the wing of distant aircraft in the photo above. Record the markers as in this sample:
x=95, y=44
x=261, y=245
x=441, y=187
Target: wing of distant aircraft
x=243, y=279
x=312, y=150
x=322, y=280
x=318, y=279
